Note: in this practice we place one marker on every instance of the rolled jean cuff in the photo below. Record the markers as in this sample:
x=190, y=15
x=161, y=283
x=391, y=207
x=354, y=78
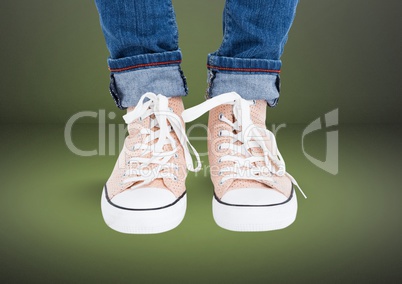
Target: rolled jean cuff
x=127, y=88
x=252, y=79
x=160, y=73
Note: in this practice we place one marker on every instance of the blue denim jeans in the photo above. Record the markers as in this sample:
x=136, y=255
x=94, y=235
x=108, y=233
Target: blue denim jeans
x=142, y=38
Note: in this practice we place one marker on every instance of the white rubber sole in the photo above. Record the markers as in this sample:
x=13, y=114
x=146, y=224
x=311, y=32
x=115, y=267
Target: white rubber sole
x=255, y=218
x=143, y=221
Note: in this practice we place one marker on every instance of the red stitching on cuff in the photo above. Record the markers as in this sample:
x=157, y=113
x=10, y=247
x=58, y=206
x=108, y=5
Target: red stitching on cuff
x=244, y=69
x=143, y=65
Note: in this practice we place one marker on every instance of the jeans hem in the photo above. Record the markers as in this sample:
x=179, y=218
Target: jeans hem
x=244, y=65
x=145, y=65
x=250, y=86
x=144, y=61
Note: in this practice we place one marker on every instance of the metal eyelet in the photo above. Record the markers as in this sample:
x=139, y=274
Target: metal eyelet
x=220, y=116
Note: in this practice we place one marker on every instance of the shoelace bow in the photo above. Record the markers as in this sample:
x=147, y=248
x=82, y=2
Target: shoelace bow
x=166, y=121
x=248, y=135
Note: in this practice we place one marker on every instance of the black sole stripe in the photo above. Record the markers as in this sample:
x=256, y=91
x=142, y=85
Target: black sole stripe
x=142, y=209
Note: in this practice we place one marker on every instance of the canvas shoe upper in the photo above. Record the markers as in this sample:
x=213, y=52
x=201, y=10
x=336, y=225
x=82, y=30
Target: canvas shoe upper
x=149, y=175
x=247, y=169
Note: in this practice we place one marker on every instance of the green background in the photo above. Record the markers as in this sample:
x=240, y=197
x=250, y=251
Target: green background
x=340, y=54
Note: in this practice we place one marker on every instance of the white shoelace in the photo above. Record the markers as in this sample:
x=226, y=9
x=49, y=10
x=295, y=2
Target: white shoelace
x=249, y=136
x=157, y=109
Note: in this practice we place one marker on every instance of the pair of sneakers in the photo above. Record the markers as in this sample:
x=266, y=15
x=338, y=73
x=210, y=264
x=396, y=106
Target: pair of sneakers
x=146, y=191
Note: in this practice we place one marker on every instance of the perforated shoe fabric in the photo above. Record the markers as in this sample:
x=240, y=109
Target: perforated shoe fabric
x=252, y=190
x=141, y=145
x=146, y=193
x=242, y=152
x=258, y=113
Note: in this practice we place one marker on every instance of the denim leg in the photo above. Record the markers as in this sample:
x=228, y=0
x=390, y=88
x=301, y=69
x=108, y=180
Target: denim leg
x=248, y=60
x=142, y=39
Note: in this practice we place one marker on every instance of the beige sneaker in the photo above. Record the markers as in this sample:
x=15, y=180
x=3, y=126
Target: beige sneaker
x=252, y=190
x=146, y=191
